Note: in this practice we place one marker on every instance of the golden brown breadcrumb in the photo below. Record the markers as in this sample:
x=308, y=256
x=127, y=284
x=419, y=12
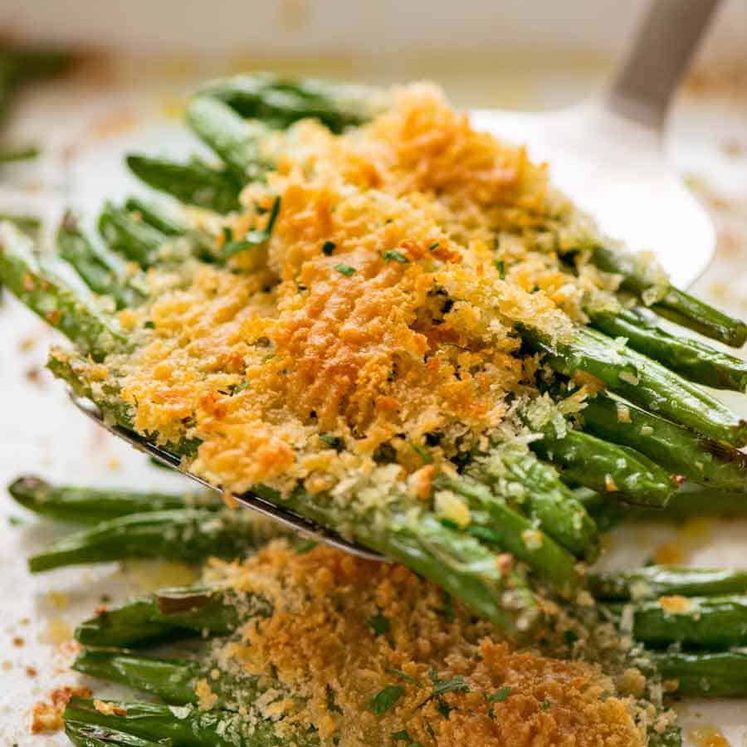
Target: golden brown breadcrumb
x=47, y=716
x=372, y=650
x=376, y=316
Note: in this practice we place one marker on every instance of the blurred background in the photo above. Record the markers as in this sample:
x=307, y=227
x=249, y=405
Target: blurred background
x=483, y=51
x=84, y=81
x=332, y=28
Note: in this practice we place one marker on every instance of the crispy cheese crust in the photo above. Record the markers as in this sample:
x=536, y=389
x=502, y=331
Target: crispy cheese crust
x=377, y=316
x=371, y=650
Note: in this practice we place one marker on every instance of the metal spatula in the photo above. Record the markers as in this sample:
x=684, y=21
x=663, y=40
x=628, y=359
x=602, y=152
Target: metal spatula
x=606, y=154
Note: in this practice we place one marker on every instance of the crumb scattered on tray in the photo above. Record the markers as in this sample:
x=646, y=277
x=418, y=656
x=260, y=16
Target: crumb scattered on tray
x=58, y=631
x=46, y=716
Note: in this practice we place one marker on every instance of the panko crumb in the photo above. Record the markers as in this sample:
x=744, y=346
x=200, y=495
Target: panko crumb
x=632, y=682
x=47, y=716
x=676, y=604
x=370, y=649
x=206, y=698
x=109, y=709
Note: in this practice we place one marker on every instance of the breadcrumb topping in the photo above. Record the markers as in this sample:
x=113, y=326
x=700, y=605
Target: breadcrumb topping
x=374, y=654
x=379, y=320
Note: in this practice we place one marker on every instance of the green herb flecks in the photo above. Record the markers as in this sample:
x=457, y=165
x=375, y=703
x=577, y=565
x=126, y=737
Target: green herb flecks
x=334, y=442
x=345, y=270
x=386, y=698
x=402, y=675
x=379, y=624
x=499, y=695
x=394, y=255
x=253, y=238
x=422, y=452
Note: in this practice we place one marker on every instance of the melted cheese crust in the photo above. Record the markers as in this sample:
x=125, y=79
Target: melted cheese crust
x=376, y=315
x=343, y=629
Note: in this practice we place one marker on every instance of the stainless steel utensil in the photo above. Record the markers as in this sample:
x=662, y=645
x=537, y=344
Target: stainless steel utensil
x=606, y=153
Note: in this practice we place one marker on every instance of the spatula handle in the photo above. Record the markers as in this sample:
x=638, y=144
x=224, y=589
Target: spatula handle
x=666, y=40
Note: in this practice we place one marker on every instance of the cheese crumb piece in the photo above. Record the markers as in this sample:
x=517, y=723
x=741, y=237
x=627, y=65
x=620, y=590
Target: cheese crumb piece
x=47, y=716
x=623, y=413
x=632, y=682
x=676, y=604
x=128, y=319
x=452, y=507
x=108, y=708
x=206, y=698
x=229, y=499
x=532, y=538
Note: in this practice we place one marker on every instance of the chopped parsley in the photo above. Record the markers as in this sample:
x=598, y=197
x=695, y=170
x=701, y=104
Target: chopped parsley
x=423, y=453
x=570, y=637
x=443, y=707
x=236, y=388
x=385, y=699
x=499, y=695
x=334, y=442
x=402, y=675
x=328, y=247
x=501, y=267
x=345, y=270
x=332, y=701
x=302, y=546
x=252, y=238
x=448, y=609
x=455, y=685
x=442, y=687
x=404, y=736
x=434, y=246
x=545, y=704
x=379, y=624
x=396, y=255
